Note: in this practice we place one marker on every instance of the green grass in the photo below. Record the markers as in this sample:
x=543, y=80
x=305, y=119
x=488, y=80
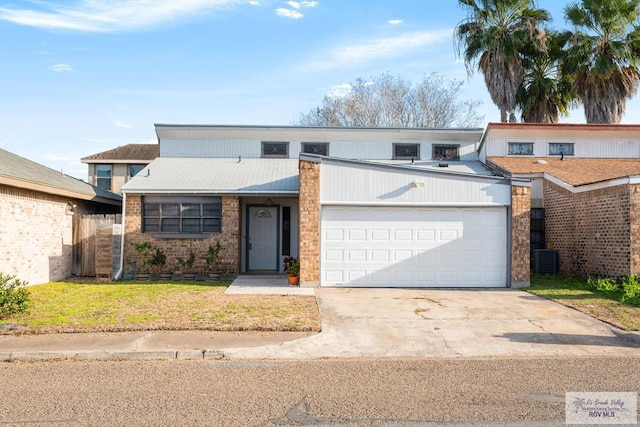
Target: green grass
x=575, y=293
x=98, y=307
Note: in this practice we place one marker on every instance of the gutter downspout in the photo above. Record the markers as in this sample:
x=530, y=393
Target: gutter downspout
x=124, y=219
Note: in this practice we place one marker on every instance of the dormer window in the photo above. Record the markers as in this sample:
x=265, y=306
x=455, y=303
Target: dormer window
x=275, y=149
x=521, y=148
x=406, y=151
x=321, y=148
x=446, y=152
x=558, y=148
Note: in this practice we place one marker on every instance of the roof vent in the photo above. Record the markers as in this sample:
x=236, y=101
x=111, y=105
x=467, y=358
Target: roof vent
x=443, y=164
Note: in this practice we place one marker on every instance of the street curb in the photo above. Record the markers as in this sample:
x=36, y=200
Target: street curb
x=34, y=356
x=626, y=335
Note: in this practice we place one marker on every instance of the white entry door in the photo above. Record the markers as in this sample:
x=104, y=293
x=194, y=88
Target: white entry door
x=414, y=247
x=262, y=253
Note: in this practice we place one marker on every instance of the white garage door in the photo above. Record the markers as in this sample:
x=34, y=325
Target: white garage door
x=413, y=247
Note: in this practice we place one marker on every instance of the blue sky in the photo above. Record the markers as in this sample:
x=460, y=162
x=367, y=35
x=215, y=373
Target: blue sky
x=80, y=77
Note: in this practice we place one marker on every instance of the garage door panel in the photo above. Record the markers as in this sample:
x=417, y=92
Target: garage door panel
x=413, y=247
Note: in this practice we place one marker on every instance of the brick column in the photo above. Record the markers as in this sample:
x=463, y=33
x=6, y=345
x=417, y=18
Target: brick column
x=634, y=225
x=309, y=250
x=520, y=236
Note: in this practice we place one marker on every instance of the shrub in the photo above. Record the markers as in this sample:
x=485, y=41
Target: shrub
x=14, y=298
x=603, y=285
x=631, y=290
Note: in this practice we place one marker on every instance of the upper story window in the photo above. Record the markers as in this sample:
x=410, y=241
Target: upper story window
x=275, y=149
x=174, y=215
x=406, y=151
x=321, y=148
x=446, y=152
x=103, y=177
x=558, y=148
x=134, y=170
x=521, y=148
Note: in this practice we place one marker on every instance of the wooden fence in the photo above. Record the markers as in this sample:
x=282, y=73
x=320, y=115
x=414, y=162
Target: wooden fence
x=96, y=244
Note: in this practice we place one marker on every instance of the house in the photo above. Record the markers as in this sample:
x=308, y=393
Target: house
x=585, y=194
x=37, y=205
x=358, y=206
x=111, y=169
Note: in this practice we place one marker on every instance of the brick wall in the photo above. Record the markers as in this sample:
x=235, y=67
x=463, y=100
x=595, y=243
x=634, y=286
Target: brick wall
x=36, y=232
x=520, y=236
x=173, y=248
x=592, y=230
x=634, y=220
x=309, y=222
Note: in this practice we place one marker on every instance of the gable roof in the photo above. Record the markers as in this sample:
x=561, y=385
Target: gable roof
x=573, y=171
x=16, y=171
x=125, y=153
x=171, y=175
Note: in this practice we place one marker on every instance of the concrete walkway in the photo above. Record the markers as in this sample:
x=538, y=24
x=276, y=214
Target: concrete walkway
x=273, y=284
x=367, y=323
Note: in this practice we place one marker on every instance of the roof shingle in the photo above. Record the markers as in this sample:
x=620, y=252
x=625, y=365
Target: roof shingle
x=19, y=169
x=573, y=171
x=127, y=152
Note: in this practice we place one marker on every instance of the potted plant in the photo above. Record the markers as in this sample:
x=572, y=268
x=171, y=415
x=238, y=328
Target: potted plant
x=292, y=267
x=152, y=257
x=213, y=261
x=187, y=263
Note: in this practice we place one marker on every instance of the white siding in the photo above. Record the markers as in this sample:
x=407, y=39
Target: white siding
x=342, y=183
x=587, y=148
x=370, y=149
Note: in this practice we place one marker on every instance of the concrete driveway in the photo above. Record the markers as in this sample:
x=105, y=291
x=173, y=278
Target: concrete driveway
x=447, y=323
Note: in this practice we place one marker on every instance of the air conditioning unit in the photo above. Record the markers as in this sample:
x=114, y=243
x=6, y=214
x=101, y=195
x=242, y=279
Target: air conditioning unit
x=546, y=261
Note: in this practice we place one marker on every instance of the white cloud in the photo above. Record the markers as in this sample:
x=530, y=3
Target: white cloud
x=294, y=4
x=381, y=48
x=110, y=16
x=395, y=21
x=339, y=90
x=309, y=3
x=122, y=124
x=288, y=13
x=62, y=68
x=254, y=2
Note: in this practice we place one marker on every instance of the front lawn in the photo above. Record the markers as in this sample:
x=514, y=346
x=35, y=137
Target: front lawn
x=109, y=307
x=576, y=293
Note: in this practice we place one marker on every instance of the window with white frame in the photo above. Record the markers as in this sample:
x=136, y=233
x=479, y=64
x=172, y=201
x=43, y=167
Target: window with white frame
x=321, y=148
x=134, y=170
x=558, y=148
x=176, y=215
x=103, y=177
x=275, y=149
x=521, y=148
x=406, y=151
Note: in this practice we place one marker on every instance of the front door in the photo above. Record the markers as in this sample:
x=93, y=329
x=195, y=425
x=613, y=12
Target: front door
x=262, y=238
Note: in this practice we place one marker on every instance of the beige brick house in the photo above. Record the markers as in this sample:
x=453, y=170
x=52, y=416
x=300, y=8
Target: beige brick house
x=359, y=207
x=37, y=205
x=585, y=194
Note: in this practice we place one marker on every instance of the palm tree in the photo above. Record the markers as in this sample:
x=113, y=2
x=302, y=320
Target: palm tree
x=493, y=35
x=603, y=54
x=546, y=90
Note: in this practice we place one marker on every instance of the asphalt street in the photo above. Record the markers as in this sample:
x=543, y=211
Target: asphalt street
x=349, y=392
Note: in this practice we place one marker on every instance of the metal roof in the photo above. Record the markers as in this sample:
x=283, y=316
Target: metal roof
x=20, y=172
x=168, y=175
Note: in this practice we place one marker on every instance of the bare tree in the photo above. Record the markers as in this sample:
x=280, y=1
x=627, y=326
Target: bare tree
x=388, y=101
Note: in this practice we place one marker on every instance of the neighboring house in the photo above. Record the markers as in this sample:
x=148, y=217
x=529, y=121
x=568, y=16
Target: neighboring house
x=36, y=218
x=111, y=169
x=585, y=195
x=358, y=206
